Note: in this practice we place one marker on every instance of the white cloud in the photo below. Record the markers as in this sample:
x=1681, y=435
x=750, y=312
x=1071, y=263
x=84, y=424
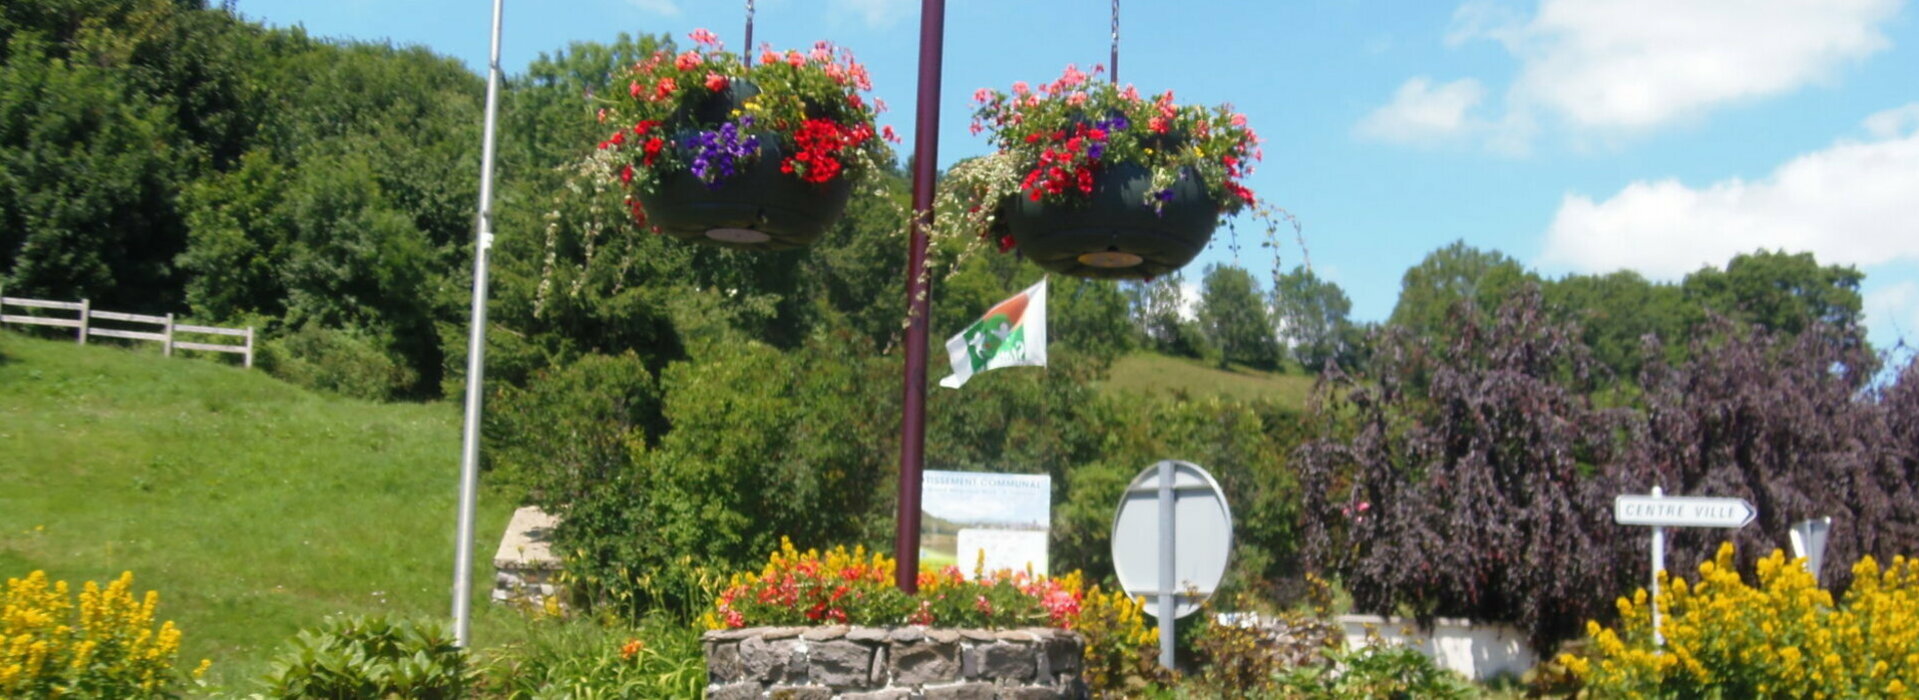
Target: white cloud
x=876, y=14
x=1607, y=67
x=1892, y=122
x=1853, y=203
x=665, y=8
x=1421, y=112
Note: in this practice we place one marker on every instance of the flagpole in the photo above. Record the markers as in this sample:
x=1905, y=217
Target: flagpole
x=906, y=548
x=476, y=354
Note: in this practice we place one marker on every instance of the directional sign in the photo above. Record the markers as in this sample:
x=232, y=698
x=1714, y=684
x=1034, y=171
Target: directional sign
x=1682, y=511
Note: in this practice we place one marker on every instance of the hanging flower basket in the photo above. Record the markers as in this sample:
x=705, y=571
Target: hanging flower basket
x=1094, y=180
x=759, y=157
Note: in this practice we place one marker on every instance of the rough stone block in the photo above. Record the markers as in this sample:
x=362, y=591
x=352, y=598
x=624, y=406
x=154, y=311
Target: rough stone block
x=943, y=636
x=840, y=664
x=723, y=663
x=1064, y=654
x=867, y=634
x=799, y=692
x=979, y=635
x=888, y=694
x=919, y=664
x=909, y=634
x=733, y=691
x=963, y=691
x=1004, y=661
x=821, y=634
x=765, y=661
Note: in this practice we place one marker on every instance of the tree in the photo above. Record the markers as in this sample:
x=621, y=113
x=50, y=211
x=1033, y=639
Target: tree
x=1159, y=313
x=1454, y=281
x=1617, y=311
x=1234, y=318
x=1312, y=318
x=1480, y=496
x=1781, y=291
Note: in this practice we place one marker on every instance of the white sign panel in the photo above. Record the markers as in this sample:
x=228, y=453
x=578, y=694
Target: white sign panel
x=1006, y=516
x=1202, y=532
x=1682, y=511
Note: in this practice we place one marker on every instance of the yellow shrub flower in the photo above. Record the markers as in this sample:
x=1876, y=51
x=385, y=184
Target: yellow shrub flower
x=106, y=643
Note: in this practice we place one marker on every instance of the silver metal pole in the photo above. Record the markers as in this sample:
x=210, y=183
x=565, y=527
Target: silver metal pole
x=476, y=353
x=1166, y=578
x=1658, y=565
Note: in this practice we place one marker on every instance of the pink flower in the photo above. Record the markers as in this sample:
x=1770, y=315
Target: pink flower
x=634, y=88
x=1076, y=99
x=886, y=132
x=1130, y=93
x=688, y=60
x=1239, y=120
x=768, y=57
x=982, y=95
x=1021, y=88
x=704, y=38
x=794, y=59
x=715, y=82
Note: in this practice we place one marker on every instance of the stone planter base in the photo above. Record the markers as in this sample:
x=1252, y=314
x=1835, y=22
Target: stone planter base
x=897, y=663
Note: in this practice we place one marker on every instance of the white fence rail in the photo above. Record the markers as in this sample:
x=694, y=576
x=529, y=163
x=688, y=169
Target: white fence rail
x=167, y=334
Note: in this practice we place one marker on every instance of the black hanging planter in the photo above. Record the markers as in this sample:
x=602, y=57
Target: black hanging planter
x=759, y=207
x=1113, y=233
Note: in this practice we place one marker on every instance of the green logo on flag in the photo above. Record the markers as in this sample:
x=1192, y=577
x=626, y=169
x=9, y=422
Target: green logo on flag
x=986, y=337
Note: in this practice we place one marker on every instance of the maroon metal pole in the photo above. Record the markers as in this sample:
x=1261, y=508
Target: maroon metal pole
x=906, y=546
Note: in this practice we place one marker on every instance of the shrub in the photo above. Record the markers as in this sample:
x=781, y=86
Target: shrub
x=370, y=657
x=104, y=647
x=347, y=362
x=576, y=659
x=1783, y=638
x=1382, y=671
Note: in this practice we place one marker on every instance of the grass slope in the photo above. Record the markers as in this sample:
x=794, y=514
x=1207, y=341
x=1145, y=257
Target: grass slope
x=1154, y=374
x=254, y=507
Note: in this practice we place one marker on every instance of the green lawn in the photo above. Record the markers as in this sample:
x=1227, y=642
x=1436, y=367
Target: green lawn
x=1161, y=375
x=254, y=507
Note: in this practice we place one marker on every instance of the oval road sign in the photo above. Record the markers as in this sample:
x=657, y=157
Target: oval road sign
x=1202, y=527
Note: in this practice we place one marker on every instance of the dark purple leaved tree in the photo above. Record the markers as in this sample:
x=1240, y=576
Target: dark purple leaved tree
x=1475, y=481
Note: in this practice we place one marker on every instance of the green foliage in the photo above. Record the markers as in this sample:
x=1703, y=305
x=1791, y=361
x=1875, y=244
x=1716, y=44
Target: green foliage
x=1312, y=316
x=1157, y=311
x=1616, y=312
x=561, y=659
x=371, y=657
x=1780, y=291
x=1454, y=280
x=345, y=362
x=1385, y=671
x=1234, y=318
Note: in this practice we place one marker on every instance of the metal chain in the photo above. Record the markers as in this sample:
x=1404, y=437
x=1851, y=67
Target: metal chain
x=1114, y=68
x=746, y=52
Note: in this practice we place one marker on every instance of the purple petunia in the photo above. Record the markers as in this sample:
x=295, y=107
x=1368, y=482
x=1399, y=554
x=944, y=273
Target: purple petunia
x=717, y=152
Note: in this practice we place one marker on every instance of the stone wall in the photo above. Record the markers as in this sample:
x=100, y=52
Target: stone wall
x=527, y=572
x=900, y=663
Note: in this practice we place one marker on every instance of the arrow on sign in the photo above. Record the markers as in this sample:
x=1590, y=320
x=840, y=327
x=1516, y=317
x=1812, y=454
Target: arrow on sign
x=1682, y=511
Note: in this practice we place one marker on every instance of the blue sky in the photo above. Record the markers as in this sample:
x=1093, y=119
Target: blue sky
x=1575, y=135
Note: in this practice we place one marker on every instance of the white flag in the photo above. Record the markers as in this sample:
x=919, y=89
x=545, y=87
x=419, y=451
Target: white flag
x=1012, y=333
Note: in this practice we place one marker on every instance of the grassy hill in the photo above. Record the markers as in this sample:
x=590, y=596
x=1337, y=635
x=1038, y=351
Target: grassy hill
x=255, y=508
x=1161, y=375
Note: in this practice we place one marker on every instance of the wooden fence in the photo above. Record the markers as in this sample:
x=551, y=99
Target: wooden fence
x=167, y=334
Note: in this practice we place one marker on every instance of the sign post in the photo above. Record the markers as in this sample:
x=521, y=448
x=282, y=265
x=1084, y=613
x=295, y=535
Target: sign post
x=1809, y=543
x=1171, y=540
x=1661, y=512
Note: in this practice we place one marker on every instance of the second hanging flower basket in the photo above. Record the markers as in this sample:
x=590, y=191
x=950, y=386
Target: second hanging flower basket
x=756, y=157
x=1094, y=180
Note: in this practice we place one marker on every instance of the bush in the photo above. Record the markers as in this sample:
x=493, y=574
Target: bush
x=574, y=659
x=1783, y=638
x=1383, y=671
x=106, y=647
x=346, y=362
x=370, y=657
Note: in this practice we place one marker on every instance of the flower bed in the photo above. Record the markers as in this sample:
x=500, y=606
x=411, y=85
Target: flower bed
x=825, y=623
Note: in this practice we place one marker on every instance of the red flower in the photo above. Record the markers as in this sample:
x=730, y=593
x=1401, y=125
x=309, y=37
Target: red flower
x=652, y=150
x=715, y=82
x=626, y=175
